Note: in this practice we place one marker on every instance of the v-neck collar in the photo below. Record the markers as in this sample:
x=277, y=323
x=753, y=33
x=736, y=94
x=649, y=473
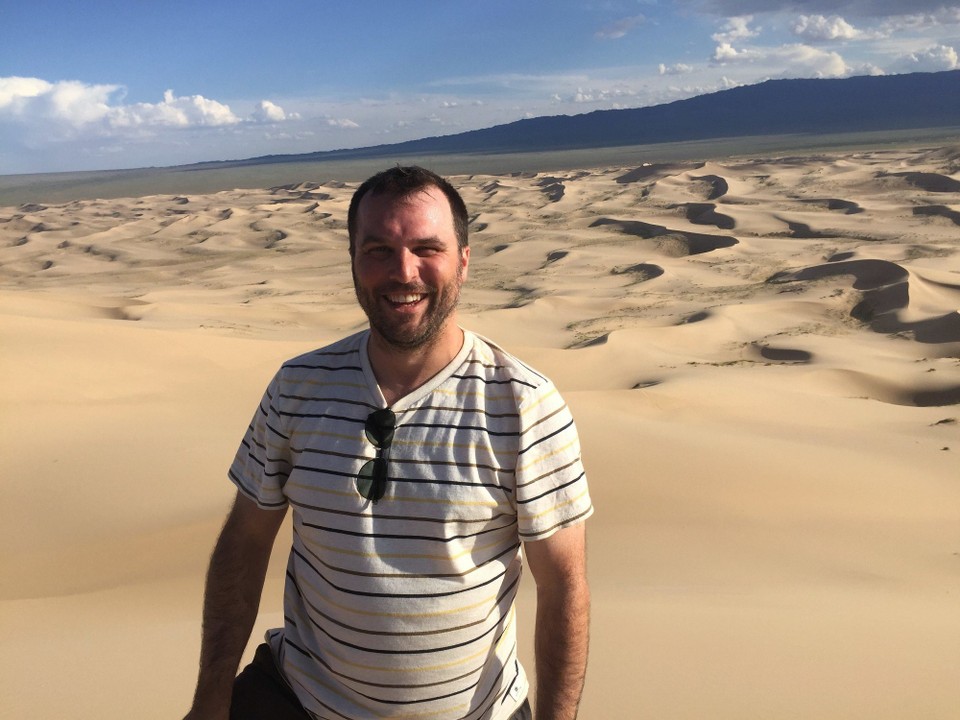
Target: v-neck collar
x=410, y=399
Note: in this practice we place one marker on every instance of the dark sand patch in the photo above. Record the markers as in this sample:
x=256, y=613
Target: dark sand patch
x=718, y=185
x=885, y=290
x=655, y=171
x=553, y=188
x=938, y=211
x=641, y=272
x=706, y=214
x=930, y=182
x=672, y=243
x=848, y=207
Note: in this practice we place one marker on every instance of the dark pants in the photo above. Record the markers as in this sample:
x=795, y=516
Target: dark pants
x=261, y=693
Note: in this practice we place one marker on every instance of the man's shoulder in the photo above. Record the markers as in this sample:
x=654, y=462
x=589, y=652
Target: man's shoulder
x=497, y=364
x=344, y=353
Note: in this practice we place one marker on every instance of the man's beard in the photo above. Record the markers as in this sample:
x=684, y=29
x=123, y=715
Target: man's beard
x=402, y=334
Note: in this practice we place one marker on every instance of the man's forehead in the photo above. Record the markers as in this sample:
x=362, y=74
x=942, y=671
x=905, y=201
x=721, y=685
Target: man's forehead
x=387, y=198
x=428, y=203
x=423, y=216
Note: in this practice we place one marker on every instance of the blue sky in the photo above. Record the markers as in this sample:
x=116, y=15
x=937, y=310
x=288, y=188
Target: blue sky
x=97, y=85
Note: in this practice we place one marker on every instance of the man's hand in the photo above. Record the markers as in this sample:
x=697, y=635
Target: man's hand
x=559, y=567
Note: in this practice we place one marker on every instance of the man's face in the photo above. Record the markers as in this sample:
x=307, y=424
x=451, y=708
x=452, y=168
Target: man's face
x=407, y=267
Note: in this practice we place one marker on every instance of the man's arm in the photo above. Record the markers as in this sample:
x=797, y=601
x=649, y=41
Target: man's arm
x=235, y=579
x=559, y=567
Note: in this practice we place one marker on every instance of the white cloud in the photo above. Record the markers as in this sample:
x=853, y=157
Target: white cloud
x=173, y=111
x=602, y=95
x=31, y=99
x=727, y=53
x=931, y=59
x=74, y=106
x=850, y=8
x=940, y=17
x=736, y=28
x=15, y=90
x=791, y=60
x=800, y=60
x=620, y=28
x=677, y=69
x=269, y=112
x=817, y=28
x=74, y=125
x=342, y=123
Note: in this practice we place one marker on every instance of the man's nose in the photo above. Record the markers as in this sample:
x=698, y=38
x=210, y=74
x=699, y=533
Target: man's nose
x=404, y=268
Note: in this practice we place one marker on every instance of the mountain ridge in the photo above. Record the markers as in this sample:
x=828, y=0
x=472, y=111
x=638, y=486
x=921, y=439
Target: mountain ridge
x=773, y=107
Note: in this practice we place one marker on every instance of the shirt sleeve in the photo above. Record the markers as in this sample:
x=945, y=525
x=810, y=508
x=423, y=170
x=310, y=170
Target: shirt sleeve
x=551, y=489
x=263, y=461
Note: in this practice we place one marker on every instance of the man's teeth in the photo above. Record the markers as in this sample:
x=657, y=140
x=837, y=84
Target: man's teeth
x=404, y=298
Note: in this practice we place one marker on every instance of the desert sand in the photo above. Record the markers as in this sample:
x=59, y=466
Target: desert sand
x=762, y=355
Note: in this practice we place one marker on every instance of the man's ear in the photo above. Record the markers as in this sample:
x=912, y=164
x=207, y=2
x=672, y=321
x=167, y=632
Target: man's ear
x=464, y=262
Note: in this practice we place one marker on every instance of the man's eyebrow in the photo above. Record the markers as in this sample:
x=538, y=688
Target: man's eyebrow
x=429, y=240
x=372, y=240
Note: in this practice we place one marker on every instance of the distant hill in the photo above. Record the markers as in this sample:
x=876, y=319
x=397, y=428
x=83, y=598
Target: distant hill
x=775, y=107
x=776, y=113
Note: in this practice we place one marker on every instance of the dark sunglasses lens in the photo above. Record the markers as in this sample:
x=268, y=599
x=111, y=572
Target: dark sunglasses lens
x=372, y=479
x=379, y=427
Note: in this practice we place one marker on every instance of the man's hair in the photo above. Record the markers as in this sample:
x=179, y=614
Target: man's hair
x=402, y=182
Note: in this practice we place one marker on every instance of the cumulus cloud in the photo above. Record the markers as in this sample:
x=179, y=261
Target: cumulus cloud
x=621, y=27
x=676, y=69
x=68, y=101
x=931, y=59
x=941, y=17
x=797, y=60
x=818, y=28
x=15, y=90
x=849, y=8
x=173, y=111
x=727, y=53
x=736, y=28
x=269, y=112
x=75, y=106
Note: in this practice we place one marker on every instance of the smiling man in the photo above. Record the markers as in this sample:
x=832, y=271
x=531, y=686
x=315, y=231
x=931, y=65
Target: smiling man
x=422, y=463
x=410, y=258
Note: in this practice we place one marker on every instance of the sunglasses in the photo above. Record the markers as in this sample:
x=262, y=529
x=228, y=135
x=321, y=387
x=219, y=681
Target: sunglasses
x=372, y=478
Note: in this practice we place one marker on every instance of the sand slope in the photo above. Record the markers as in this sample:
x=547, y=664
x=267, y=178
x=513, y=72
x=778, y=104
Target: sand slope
x=763, y=357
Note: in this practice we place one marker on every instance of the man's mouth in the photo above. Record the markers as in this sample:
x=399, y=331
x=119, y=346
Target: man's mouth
x=405, y=298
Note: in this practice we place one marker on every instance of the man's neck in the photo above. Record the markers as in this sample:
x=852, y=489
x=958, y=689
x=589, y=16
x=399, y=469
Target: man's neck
x=400, y=371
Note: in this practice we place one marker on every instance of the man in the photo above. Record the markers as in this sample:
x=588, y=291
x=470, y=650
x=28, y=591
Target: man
x=418, y=458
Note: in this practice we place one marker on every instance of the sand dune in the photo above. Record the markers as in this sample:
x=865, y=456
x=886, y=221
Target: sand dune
x=762, y=354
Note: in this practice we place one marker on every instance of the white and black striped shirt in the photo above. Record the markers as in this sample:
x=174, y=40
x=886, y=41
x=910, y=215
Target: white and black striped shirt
x=405, y=608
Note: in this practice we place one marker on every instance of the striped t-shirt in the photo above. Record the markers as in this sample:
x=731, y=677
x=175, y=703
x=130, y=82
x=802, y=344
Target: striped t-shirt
x=405, y=608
